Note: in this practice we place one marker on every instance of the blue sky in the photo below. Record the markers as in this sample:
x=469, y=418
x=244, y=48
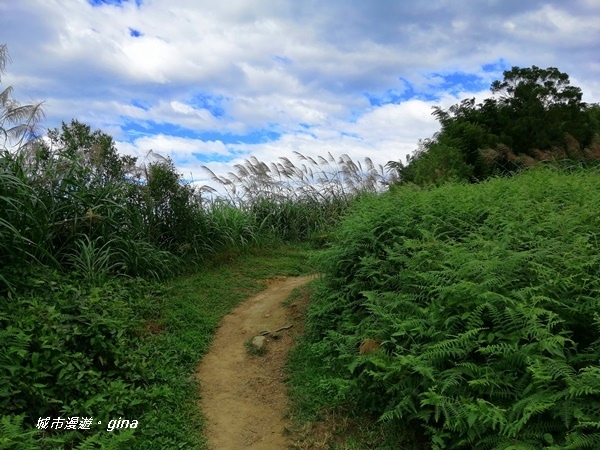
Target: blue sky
x=213, y=83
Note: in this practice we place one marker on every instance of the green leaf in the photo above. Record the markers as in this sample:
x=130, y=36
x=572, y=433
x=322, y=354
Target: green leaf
x=471, y=418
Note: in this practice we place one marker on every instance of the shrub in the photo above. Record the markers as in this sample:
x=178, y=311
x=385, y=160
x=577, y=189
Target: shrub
x=66, y=349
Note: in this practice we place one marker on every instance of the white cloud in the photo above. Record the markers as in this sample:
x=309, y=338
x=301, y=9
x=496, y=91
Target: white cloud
x=383, y=134
x=172, y=146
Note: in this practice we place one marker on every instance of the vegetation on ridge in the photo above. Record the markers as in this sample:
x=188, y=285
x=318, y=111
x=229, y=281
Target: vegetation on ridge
x=535, y=115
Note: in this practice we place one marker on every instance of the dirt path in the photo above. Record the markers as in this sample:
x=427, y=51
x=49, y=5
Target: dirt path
x=243, y=397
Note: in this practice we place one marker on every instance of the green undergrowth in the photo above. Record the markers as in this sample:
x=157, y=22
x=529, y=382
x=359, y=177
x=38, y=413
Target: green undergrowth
x=481, y=303
x=323, y=419
x=124, y=349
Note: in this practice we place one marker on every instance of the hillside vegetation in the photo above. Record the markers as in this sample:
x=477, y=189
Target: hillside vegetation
x=90, y=241
x=469, y=313
x=460, y=309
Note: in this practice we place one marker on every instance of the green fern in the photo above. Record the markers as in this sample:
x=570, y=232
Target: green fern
x=487, y=310
x=13, y=435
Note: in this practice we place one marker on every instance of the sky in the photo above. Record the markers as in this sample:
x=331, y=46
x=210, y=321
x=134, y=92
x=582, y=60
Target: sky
x=215, y=82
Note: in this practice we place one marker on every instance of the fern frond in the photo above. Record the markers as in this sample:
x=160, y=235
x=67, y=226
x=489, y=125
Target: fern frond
x=579, y=440
x=587, y=382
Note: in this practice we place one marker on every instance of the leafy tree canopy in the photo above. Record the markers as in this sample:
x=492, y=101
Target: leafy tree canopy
x=96, y=150
x=535, y=114
x=546, y=87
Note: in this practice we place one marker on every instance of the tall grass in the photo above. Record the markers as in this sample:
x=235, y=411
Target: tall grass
x=75, y=198
x=297, y=201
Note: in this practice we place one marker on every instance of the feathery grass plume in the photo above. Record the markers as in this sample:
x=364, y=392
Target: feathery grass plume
x=592, y=151
x=296, y=201
x=19, y=124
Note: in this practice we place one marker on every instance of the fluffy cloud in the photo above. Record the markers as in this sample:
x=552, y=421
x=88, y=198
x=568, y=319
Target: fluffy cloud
x=210, y=78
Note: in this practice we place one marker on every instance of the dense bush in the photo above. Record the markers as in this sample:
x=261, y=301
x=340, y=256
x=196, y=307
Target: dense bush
x=481, y=307
x=74, y=203
x=66, y=351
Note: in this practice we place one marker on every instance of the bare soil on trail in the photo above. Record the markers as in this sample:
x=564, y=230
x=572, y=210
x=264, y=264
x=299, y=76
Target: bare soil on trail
x=243, y=396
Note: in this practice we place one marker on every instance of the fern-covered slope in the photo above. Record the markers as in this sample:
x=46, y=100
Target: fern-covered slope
x=485, y=301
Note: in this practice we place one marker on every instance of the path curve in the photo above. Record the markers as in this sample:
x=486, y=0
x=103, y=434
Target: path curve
x=243, y=397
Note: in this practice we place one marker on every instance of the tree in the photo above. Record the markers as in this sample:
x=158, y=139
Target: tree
x=95, y=151
x=433, y=163
x=18, y=123
x=538, y=107
x=468, y=127
x=546, y=87
x=536, y=114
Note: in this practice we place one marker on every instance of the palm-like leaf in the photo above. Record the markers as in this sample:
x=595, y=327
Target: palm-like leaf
x=19, y=124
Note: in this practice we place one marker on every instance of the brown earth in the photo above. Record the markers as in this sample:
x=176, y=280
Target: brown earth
x=243, y=396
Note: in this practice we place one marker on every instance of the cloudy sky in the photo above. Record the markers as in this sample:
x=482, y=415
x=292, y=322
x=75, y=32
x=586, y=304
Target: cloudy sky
x=213, y=82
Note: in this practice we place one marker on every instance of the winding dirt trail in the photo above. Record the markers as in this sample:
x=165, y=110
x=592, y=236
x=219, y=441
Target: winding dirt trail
x=243, y=397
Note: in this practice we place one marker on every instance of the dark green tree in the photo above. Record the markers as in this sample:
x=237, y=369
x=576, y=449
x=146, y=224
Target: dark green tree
x=169, y=205
x=538, y=107
x=468, y=128
x=95, y=151
x=535, y=114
